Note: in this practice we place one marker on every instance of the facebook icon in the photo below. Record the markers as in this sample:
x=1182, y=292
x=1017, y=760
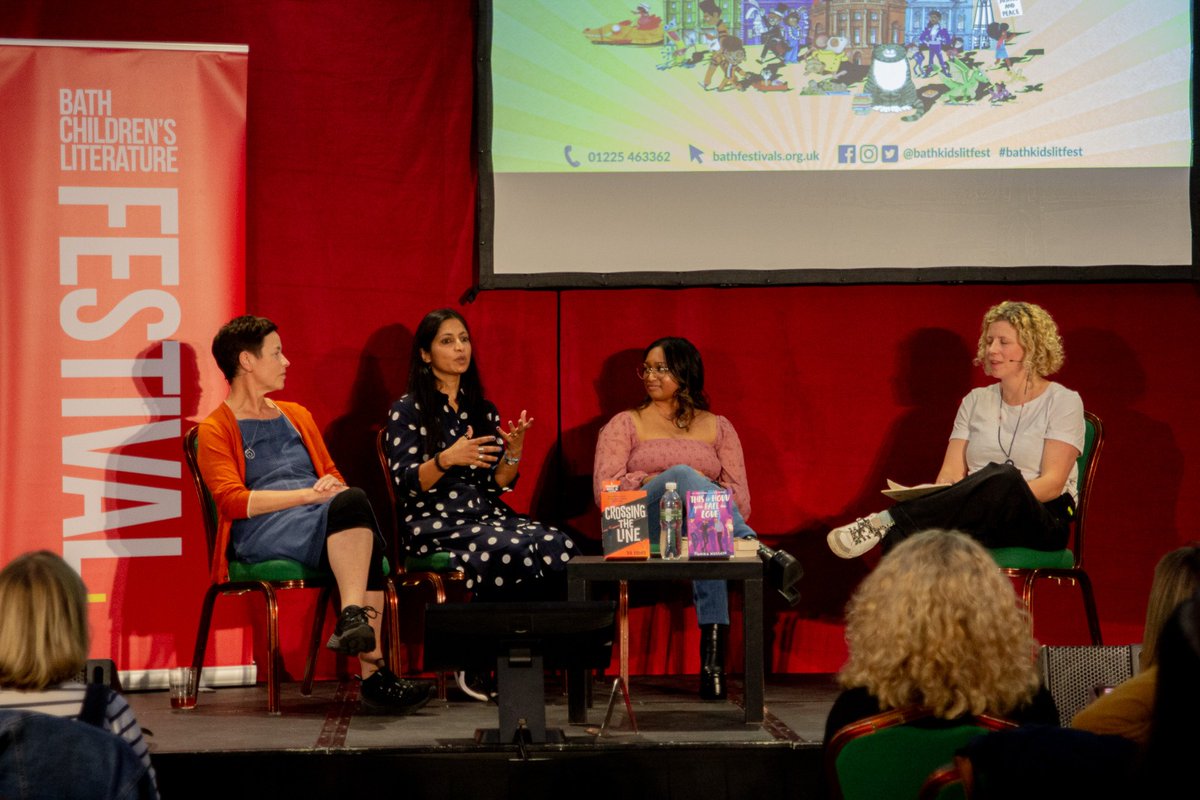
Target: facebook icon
x=846, y=153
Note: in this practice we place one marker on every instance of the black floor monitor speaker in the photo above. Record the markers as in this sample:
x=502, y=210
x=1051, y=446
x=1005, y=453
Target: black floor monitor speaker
x=520, y=641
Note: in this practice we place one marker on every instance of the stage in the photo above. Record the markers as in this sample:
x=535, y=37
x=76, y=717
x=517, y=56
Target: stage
x=230, y=747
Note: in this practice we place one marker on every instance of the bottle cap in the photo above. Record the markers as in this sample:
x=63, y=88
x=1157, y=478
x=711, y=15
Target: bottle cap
x=670, y=486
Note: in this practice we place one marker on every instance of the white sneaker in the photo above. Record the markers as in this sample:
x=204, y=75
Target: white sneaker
x=851, y=541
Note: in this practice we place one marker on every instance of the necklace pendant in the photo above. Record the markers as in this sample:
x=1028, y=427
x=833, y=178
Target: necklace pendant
x=249, y=451
x=1009, y=462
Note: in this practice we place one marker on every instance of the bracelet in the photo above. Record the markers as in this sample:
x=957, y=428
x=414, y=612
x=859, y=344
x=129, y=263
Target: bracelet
x=511, y=461
x=437, y=462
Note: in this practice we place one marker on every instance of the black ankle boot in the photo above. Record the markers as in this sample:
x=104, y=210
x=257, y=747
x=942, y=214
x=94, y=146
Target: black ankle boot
x=713, y=639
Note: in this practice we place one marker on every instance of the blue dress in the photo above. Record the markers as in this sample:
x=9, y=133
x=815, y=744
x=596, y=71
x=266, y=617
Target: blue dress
x=498, y=549
x=280, y=462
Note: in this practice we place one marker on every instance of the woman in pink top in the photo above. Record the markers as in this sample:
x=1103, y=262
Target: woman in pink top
x=672, y=437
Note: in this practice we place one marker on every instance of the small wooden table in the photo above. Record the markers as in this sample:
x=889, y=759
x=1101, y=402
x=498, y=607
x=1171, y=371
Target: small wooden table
x=583, y=571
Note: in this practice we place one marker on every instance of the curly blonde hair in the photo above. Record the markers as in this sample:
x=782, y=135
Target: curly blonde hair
x=937, y=625
x=1036, y=332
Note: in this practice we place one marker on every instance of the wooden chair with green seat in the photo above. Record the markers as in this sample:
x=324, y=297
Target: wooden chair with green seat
x=267, y=578
x=435, y=570
x=950, y=782
x=888, y=756
x=1030, y=566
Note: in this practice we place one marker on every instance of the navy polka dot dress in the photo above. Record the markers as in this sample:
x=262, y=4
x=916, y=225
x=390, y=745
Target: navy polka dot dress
x=500, y=551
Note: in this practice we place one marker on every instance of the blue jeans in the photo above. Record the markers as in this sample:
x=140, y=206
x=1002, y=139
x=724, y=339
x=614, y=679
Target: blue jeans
x=711, y=597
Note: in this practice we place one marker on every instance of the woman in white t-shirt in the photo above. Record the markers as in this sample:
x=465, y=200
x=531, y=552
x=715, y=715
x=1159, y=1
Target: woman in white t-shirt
x=1012, y=452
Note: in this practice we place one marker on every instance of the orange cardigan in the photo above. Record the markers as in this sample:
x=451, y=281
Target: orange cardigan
x=220, y=454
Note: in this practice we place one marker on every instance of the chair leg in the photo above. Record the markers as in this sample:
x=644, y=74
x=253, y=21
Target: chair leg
x=1027, y=590
x=432, y=578
x=314, y=643
x=1089, y=608
x=274, y=656
x=391, y=625
x=623, y=635
x=206, y=612
x=438, y=588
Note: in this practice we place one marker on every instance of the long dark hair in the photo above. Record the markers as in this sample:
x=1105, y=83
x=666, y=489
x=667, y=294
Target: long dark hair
x=687, y=368
x=422, y=383
x=1176, y=697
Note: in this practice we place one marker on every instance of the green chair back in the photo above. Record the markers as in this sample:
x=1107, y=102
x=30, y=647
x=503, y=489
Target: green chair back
x=1067, y=558
x=888, y=756
x=442, y=561
x=894, y=762
x=279, y=569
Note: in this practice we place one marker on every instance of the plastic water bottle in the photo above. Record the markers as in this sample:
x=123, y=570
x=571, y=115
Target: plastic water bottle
x=670, y=522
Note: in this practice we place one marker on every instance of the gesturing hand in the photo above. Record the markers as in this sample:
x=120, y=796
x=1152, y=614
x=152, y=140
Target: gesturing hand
x=468, y=450
x=514, y=437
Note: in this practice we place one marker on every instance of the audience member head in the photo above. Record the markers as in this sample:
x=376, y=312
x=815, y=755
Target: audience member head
x=937, y=625
x=241, y=334
x=1176, y=578
x=43, y=622
x=1036, y=333
x=1176, y=699
x=687, y=370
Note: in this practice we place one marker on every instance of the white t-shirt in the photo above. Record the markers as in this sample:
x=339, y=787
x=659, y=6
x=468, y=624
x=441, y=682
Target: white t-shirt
x=992, y=427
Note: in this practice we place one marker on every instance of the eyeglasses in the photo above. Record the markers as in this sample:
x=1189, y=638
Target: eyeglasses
x=645, y=371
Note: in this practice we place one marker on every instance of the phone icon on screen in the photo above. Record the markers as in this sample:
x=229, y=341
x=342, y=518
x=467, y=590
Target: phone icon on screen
x=567, y=155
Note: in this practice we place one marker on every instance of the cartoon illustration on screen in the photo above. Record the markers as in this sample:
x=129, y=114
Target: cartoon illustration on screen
x=728, y=60
x=999, y=32
x=882, y=56
x=935, y=37
x=774, y=45
x=889, y=83
x=646, y=30
x=965, y=82
x=795, y=33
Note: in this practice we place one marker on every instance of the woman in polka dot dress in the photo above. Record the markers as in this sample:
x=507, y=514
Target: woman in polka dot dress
x=451, y=459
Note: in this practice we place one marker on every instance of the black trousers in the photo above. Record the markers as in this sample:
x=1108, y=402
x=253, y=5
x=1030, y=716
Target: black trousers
x=351, y=509
x=994, y=505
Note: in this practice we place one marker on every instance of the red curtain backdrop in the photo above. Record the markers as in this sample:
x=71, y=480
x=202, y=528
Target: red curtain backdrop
x=360, y=218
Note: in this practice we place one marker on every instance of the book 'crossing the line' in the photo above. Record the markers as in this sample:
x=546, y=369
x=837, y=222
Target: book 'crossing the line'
x=624, y=524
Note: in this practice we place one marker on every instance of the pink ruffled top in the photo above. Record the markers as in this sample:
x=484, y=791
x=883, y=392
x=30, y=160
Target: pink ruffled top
x=621, y=455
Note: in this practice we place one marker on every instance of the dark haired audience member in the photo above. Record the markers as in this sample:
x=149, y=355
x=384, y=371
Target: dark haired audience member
x=1172, y=742
x=1127, y=710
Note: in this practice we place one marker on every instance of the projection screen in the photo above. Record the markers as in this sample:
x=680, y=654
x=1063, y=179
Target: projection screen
x=692, y=142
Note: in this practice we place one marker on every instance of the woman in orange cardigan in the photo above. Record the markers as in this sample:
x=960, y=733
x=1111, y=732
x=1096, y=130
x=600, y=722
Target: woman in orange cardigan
x=279, y=495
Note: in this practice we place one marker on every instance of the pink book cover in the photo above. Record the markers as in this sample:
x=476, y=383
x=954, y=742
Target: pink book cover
x=709, y=524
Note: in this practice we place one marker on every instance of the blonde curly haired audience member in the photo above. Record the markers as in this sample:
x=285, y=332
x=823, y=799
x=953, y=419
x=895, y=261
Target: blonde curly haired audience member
x=936, y=625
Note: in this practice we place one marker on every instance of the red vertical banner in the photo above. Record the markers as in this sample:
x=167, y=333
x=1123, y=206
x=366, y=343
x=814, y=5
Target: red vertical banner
x=122, y=200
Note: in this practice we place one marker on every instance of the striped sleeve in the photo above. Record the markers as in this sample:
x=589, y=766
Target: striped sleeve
x=122, y=722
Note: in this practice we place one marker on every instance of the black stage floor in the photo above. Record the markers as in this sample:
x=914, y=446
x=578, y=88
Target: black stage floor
x=228, y=746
